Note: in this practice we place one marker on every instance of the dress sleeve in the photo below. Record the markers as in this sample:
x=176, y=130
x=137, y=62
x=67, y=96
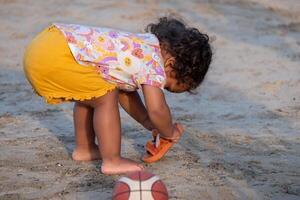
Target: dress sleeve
x=151, y=70
x=151, y=75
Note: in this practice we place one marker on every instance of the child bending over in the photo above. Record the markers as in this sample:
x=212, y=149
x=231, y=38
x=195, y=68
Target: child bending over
x=98, y=68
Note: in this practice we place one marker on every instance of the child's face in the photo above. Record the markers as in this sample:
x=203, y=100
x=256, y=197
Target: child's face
x=172, y=85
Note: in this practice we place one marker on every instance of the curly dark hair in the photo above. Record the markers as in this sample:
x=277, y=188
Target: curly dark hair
x=189, y=47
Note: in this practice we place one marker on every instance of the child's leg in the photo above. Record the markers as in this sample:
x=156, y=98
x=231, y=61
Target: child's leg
x=107, y=127
x=85, y=149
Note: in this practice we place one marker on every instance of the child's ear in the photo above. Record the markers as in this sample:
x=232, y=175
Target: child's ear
x=169, y=64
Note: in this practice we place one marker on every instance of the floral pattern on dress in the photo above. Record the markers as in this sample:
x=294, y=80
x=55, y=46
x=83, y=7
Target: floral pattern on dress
x=124, y=58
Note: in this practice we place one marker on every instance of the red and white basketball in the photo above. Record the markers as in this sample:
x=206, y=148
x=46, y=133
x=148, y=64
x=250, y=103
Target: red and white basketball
x=140, y=186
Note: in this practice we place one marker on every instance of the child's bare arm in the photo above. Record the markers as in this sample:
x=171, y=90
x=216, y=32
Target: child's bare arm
x=133, y=105
x=158, y=111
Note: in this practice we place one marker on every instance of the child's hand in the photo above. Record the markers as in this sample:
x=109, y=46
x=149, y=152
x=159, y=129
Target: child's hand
x=178, y=129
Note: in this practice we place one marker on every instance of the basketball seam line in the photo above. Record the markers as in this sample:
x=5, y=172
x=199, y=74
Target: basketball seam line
x=166, y=194
x=140, y=183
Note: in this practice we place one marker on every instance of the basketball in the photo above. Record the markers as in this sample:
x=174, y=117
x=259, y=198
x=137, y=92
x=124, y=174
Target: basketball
x=140, y=186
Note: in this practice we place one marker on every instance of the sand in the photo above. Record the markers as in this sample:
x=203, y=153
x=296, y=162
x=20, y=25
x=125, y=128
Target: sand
x=242, y=138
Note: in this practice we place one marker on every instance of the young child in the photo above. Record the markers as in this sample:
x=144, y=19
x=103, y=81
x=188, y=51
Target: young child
x=97, y=68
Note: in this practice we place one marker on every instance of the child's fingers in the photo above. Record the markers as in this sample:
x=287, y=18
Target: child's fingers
x=155, y=132
x=179, y=127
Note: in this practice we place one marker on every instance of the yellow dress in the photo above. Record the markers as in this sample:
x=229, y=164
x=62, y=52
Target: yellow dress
x=54, y=73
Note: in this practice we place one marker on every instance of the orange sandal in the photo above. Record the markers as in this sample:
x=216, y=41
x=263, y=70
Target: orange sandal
x=157, y=148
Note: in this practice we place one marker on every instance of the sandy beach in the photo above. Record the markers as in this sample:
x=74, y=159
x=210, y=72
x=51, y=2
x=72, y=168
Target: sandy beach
x=242, y=138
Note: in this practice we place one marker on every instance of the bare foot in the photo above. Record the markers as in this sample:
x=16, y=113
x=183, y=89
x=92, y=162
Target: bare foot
x=120, y=166
x=86, y=153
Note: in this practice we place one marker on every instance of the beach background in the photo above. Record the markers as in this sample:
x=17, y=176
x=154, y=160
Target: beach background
x=242, y=138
